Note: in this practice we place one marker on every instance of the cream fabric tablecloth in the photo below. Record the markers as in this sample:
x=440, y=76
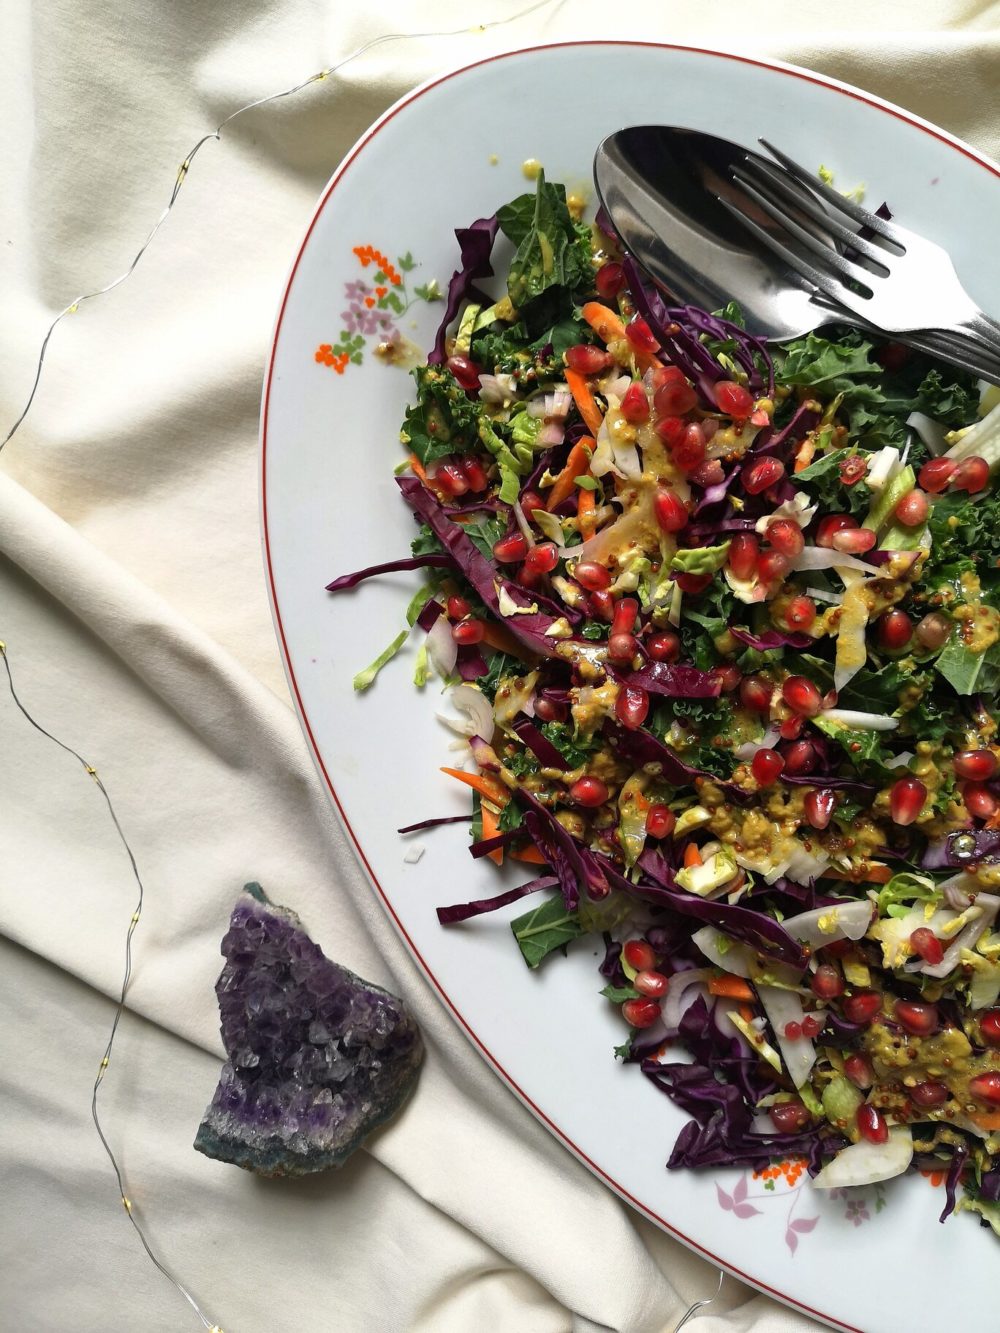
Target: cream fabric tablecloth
x=133, y=606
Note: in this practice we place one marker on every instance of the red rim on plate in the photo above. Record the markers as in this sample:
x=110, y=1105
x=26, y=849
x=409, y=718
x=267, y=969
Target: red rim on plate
x=778, y=68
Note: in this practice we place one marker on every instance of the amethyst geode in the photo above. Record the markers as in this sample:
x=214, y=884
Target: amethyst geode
x=317, y=1057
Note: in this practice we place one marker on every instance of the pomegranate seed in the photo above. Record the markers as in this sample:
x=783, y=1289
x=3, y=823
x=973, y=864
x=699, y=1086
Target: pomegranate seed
x=693, y=583
x=664, y=647
x=894, y=630
x=762, y=474
x=728, y=676
x=975, y=765
x=586, y=359
x=458, y=608
x=906, y=800
x=800, y=613
x=853, y=541
x=547, y=711
x=631, y=706
x=772, y=566
x=893, y=356
x=920, y=1020
x=800, y=758
x=829, y=525
x=801, y=696
x=733, y=399
x=812, y=1027
x=934, y=630
x=826, y=982
x=670, y=430
x=689, y=452
x=852, y=469
x=755, y=693
x=785, y=536
x=989, y=1026
x=789, y=1117
x=793, y=1031
x=742, y=555
x=929, y=1094
x=971, y=475
x=609, y=280
x=668, y=375
x=979, y=801
x=837, y=948
x=862, y=1006
x=602, y=605
x=791, y=728
x=766, y=767
x=543, y=558
x=674, y=398
x=639, y=955
x=924, y=942
x=871, y=1124
x=986, y=1087
x=622, y=648
x=451, y=479
x=530, y=501
x=625, y=613
x=640, y=335
x=475, y=475
x=710, y=473
x=590, y=792
x=590, y=575
x=635, y=404
x=859, y=1070
x=640, y=1013
x=913, y=509
x=465, y=371
x=660, y=821
x=669, y=510
x=468, y=631
x=510, y=550
x=819, y=807
x=653, y=984
x=936, y=473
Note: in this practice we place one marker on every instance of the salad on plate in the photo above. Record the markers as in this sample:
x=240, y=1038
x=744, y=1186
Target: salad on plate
x=720, y=627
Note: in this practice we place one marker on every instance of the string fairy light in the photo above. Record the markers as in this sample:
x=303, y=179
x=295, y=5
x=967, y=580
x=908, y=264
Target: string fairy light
x=104, y=1065
x=216, y=135
x=72, y=308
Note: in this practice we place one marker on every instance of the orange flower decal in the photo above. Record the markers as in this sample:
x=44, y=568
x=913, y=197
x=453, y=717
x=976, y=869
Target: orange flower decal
x=367, y=254
x=791, y=1170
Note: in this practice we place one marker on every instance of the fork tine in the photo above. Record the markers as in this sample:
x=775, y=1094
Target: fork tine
x=816, y=277
x=835, y=198
x=830, y=257
x=804, y=201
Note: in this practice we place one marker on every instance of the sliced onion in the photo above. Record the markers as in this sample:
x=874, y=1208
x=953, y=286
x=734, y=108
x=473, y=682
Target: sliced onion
x=441, y=647
x=865, y=1163
x=680, y=984
x=550, y=435
x=535, y=407
x=558, y=403
x=902, y=760
x=822, y=557
x=966, y=937
x=882, y=466
x=731, y=956
x=783, y=1007
x=850, y=717
x=821, y=595
x=627, y=462
x=478, y=711
x=617, y=387
x=523, y=524
x=767, y=742
x=550, y=525
x=804, y=866
x=930, y=431
x=848, y=920
x=798, y=509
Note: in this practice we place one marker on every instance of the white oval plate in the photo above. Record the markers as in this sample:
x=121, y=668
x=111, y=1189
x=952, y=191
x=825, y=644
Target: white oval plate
x=448, y=153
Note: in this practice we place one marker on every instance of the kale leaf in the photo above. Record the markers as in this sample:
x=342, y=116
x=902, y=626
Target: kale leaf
x=445, y=419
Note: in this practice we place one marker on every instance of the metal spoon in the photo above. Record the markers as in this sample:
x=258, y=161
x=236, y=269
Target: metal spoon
x=661, y=186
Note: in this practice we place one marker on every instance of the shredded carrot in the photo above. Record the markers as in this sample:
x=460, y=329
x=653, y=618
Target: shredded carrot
x=874, y=873
x=500, y=638
x=586, y=513
x=746, y=1013
x=491, y=827
x=576, y=466
x=420, y=471
x=692, y=856
x=585, y=400
x=609, y=328
x=804, y=456
x=531, y=855
x=988, y=1120
x=733, y=988
x=488, y=786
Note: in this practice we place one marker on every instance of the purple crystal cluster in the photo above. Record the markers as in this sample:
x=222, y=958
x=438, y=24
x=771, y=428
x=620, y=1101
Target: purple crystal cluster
x=317, y=1057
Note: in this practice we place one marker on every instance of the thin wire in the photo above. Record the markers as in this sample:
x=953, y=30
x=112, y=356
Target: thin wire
x=694, y=1310
x=120, y=1009
x=216, y=135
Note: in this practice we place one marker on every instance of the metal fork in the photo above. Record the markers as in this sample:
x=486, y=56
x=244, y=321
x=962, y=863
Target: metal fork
x=908, y=282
